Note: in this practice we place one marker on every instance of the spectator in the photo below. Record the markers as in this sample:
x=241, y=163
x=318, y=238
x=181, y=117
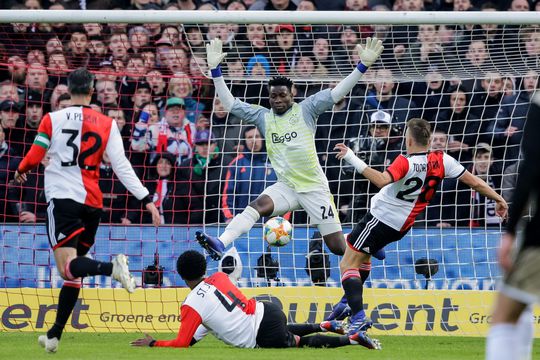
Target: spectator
x=139, y=39
x=180, y=86
x=378, y=149
x=531, y=42
x=273, y=5
x=162, y=188
x=36, y=80
x=9, y=115
x=177, y=60
x=64, y=101
x=439, y=140
x=226, y=129
x=346, y=46
x=509, y=181
x=16, y=69
x=382, y=97
x=8, y=91
x=324, y=60
x=188, y=4
x=78, y=54
x=200, y=182
x=57, y=68
x=171, y=33
x=28, y=201
x=508, y=127
x=285, y=54
x=158, y=85
x=474, y=209
x=258, y=66
x=248, y=174
x=97, y=49
x=172, y=134
x=425, y=53
x=58, y=90
x=106, y=71
x=119, y=116
x=431, y=94
x=119, y=46
x=194, y=37
x=9, y=161
x=256, y=43
x=485, y=103
x=461, y=126
x=107, y=95
x=35, y=56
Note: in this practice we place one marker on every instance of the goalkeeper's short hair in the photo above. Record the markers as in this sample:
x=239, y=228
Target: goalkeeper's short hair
x=191, y=265
x=281, y=81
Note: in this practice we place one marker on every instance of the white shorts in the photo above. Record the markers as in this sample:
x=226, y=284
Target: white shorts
x=319, y=205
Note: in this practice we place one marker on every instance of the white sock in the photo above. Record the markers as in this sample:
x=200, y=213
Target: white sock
x=501, y=342
x=525, y=333
x=239, y=225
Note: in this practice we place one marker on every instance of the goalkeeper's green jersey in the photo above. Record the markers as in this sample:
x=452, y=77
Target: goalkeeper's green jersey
x=290, y=139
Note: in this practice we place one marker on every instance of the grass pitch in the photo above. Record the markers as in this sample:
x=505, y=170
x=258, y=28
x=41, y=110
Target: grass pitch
x=116, y=346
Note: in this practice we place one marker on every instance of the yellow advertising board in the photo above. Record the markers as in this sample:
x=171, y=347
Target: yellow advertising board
x=394, y=312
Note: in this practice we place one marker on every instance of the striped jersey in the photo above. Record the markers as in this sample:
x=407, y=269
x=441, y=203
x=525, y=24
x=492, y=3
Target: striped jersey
x=221, y=308
x=415, y=179
x=290, y=139
x=75, y=138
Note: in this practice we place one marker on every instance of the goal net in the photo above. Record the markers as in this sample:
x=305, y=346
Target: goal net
x=471, y=76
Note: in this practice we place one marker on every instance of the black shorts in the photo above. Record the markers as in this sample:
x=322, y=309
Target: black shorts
x=71, y=224
x=273, y=332
x=370, y=235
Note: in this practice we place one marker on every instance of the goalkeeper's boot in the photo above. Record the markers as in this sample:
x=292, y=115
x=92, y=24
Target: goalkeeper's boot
x=50, y=345
x=362, y=338
x=359, y=322
x=380, y=254
x=212, y=245
x=340, y=311
x=333, y=326
x=121, y=273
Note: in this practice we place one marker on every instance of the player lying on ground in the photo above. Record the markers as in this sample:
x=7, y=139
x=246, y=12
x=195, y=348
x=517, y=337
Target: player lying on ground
x=222, y=309
x=289, y=129
x=512, y=329
x=76, y=138
x=407, y=187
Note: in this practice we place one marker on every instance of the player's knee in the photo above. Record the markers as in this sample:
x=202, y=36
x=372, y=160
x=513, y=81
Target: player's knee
x=263, y=204
x=336, y=243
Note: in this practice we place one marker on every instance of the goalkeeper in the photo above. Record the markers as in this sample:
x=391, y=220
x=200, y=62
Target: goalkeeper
x=289, y=129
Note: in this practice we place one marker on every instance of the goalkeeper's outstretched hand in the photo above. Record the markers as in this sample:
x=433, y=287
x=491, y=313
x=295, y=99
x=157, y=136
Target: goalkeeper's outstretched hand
x=370, y=53
x=214, y=53
x=147, y=340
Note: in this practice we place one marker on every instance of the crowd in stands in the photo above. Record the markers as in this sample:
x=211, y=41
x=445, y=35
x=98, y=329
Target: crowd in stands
x=202, y=165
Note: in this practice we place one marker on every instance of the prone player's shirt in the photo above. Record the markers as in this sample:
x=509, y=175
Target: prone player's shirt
x=416, y=178
x=218, y=305
x=76, y=138
x=290, y=139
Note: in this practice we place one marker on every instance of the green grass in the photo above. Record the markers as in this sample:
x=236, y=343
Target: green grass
x=116, y=346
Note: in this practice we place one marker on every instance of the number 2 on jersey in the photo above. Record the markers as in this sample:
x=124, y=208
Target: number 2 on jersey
x=78, y=159
x=430, y=185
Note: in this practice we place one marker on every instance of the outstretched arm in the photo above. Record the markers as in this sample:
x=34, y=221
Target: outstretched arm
x=368, y=56
x=377, y=178
x=479, y=185
x=214, y=57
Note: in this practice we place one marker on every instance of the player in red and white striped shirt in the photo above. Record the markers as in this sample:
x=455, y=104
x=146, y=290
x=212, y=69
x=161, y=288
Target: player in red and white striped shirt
x=407, y=186
x=76, y=139
x=216, y=305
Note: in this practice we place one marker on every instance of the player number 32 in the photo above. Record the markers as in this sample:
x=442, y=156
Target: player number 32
x=79, y=158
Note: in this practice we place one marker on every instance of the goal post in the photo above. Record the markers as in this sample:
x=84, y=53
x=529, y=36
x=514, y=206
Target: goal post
x=471, y=75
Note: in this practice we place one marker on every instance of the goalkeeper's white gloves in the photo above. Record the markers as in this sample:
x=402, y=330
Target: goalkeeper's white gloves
x=371, y=52
x=214, y=53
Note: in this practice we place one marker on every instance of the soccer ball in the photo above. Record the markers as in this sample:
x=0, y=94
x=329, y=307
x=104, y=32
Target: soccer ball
x=277, y=231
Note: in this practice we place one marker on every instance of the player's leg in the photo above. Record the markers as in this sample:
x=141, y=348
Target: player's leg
x=503, y=337
x=520, y=289
x=325, y=326
x=276, y=199
x=118, y=268
x=320, y=207
x=525, y=330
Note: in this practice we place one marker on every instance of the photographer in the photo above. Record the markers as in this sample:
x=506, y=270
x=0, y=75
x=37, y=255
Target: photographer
x=378, y=149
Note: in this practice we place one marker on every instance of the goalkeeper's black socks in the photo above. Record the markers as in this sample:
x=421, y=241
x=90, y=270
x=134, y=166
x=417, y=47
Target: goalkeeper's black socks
x=353, y=286
x=82, y=267
x=66, y=302
x=319, y=341
x=304, y=329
